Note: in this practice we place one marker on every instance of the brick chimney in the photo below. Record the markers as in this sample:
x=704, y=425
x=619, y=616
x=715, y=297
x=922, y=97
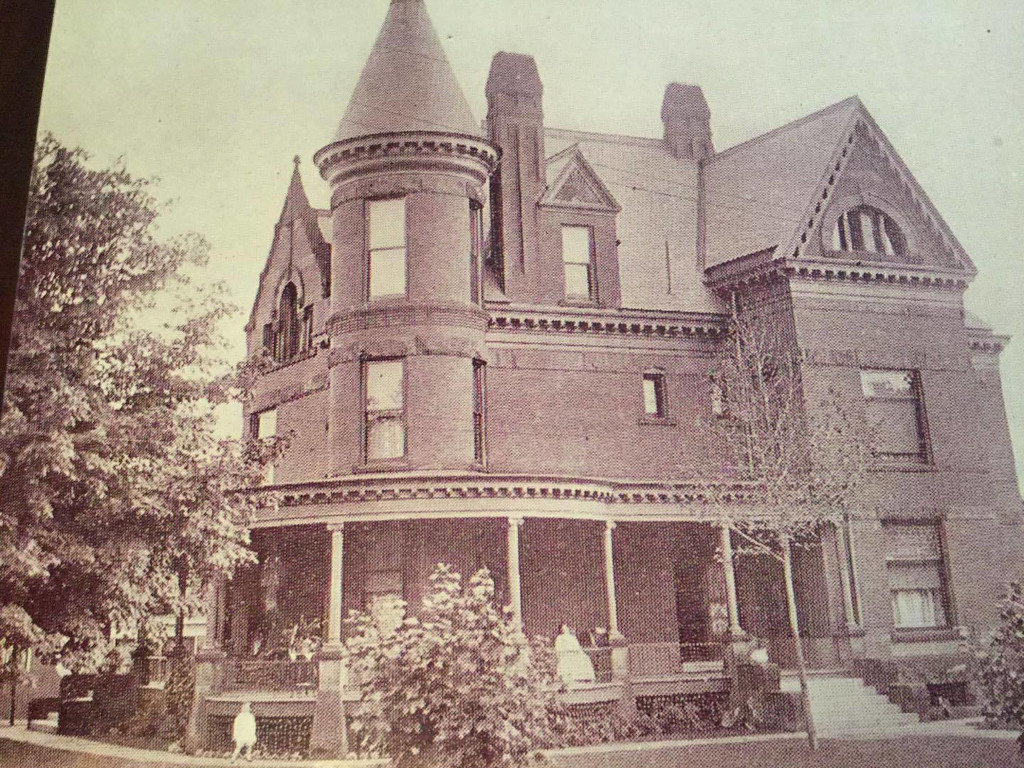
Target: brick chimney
x=687, y=120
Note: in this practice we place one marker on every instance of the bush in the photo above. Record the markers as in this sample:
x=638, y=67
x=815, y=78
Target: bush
x=1001, y=675
x=461, y=686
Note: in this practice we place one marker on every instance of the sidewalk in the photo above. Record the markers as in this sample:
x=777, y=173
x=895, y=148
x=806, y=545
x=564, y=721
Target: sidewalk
x=638, y=751
x=20, y=733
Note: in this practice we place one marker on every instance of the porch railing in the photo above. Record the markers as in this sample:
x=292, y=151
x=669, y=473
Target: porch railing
x=658, y=659
x=601, y=658
x=264, y=675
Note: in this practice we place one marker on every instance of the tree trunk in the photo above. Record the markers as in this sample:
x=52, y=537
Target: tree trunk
x=14, y=680
x=794, y=627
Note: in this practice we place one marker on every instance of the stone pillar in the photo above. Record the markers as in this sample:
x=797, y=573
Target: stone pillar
x=209, y=671
x=515, y=583
x=329, y=736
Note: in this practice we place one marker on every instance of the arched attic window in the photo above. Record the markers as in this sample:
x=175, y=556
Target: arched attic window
x=288, y=324
x=868, y=229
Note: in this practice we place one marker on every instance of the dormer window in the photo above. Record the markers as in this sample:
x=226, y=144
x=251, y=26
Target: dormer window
x=865, y=228
x=385, y=264
x=578, y=258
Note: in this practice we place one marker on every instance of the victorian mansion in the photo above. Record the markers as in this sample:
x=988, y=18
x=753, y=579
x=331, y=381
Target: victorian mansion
x=494, y=350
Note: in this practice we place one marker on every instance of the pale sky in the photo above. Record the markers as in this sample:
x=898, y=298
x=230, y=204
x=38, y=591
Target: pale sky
x=216, y=96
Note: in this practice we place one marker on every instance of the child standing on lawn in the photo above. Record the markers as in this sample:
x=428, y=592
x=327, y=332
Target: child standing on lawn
x=244, y=732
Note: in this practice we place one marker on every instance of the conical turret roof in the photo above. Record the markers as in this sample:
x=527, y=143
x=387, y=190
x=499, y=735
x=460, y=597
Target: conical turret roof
x=407, y=83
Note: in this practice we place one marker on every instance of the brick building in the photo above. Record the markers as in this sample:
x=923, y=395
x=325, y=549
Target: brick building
x=494, y=349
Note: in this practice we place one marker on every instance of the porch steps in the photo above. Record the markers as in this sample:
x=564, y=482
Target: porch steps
x=845, y=705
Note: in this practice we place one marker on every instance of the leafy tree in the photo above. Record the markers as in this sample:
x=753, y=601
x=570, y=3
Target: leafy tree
x=460, y=686
x=802, y=462
x=112, y=479
x=1001, y=671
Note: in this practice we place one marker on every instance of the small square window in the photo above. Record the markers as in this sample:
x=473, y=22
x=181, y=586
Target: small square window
x=895, y=413
x=654, y=395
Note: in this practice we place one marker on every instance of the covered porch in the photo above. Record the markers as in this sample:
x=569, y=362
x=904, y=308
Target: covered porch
x=656, y=605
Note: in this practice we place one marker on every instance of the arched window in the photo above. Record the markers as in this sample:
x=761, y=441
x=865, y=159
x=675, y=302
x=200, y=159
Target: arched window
x=288, y=323
x=865, y=228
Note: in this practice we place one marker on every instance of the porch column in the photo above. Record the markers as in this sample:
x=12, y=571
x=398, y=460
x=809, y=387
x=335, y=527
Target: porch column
x=846, y=574
x=335, y=593
x=329, y=733
x=725, y=537
x=515, y=584
x=609, y=580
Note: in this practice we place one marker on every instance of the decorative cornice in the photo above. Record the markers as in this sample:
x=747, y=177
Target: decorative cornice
x=758, y=269
x=428, y=150
x=987, y=342
x=700, y=326
x=413, y=487
x=402, y=314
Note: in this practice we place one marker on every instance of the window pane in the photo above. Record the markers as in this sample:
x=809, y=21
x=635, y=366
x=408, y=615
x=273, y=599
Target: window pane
x=266, y=424
x=895, y=426
x=385, y=437
x=577, y=280
x=867, y=225
x=887, y=383
x=650, y=396
x=576, y=245
x=387, y=223
x=917, y=608
x=384, y=385
x=856, y=237
x=913, y=542
x=387, y=272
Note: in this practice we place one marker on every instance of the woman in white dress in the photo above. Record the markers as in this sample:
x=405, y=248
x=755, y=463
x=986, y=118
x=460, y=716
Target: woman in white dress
x=574, y=666
x=243, y=732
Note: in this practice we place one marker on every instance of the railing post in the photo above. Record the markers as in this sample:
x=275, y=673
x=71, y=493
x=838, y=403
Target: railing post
x=329, y=737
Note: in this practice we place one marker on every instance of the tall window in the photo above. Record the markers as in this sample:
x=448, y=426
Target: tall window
x=384, y=409
x=577, y=256
x=476, y=245
x=386, y=243
x=479, y=394
x=916, y=569
x=895, y=412
x=307, y=328
x=263, y=426
x=868, y=229
x=288, y=323
x=654, y=395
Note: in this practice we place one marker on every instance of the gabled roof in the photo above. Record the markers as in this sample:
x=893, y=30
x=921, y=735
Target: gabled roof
x=407, y=83
x=764, y=196
x=756, y=192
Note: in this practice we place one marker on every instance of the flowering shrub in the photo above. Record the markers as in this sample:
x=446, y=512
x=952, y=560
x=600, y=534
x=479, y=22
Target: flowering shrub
x=459, y=686
x=1002, y=665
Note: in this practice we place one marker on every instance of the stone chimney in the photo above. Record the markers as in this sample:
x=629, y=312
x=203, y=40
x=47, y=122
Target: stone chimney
x=687, y=120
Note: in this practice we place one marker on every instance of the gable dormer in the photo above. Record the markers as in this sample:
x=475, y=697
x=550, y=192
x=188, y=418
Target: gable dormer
x=572, y=183
x=578, y=263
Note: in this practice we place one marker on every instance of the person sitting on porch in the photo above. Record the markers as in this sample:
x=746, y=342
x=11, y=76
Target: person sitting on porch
x=574, y=666
x=244, y=732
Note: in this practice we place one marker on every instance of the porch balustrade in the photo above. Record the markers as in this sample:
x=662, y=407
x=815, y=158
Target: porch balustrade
x=265, y=675
x=662, y=659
